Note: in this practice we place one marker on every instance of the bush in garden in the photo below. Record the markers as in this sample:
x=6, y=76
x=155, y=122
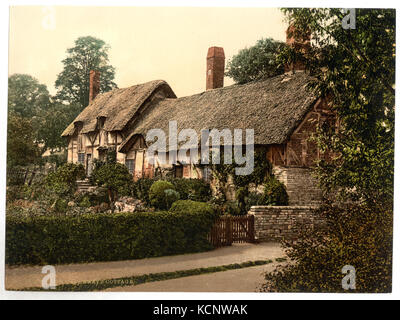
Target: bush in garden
x=192, y=207
x=63, y=180
x=85, y=202
x=231, y=208
x=114, y=177
x=274, y=193
x=141, y=189
x=107, y=237
x=192, y=189
x=356, y=235
x=170, y=197
x=157, y=195
x=61, y=205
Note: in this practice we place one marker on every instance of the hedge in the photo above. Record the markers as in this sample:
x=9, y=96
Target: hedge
x=105, y=237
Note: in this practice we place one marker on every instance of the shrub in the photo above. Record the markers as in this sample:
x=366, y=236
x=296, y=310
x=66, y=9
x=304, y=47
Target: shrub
x=105, y=237
x=274, y=193
x=170, y=197
x=85, y=202
x=356, y=235
x=188, y=189
x=61, y=205
x=231, y=208
x=157, y=195
x=115, y=177
x=192, y=189
x=192, y=207
x=63, y=180
x=141, y=189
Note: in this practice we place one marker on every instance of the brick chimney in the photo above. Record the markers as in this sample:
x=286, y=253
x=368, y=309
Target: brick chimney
x=299, y=43
x=215, y=68
x=94, y=84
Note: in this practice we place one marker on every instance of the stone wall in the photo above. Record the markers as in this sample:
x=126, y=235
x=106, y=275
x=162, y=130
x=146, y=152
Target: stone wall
x=273, y=223
x=301, y=186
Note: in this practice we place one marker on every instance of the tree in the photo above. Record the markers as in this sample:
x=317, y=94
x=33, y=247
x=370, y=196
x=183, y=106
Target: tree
x=89, y=53
x=22, y=148
x=51, y=123
x=26, y=96
x=256, y=63
x=355, y=70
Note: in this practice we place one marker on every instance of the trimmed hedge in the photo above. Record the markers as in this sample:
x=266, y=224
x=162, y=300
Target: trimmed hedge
x=106, y=237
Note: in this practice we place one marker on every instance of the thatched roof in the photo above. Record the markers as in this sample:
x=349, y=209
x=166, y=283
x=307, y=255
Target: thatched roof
x=118, y=106
x=273, y=108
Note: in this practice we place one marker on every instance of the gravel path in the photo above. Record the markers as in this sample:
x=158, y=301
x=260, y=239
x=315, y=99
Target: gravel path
x=23, y=277
x=241, y=280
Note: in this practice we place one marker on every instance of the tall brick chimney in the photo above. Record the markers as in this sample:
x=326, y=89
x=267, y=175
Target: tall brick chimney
x=94, y=84
x=299, y=43
x=215, y=68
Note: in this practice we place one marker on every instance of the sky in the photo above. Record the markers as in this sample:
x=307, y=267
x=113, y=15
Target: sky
x=146, y=43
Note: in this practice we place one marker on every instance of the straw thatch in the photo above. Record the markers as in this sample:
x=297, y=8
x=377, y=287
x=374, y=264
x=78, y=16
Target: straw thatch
x=273, y=108
x=117, y=106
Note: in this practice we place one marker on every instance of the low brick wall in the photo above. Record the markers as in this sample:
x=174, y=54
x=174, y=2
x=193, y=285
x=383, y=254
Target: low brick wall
x=273, y=223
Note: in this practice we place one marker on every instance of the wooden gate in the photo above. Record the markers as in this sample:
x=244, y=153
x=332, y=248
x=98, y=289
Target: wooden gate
x=230, y=229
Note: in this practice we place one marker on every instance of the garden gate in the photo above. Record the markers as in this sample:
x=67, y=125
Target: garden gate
x=230, y=229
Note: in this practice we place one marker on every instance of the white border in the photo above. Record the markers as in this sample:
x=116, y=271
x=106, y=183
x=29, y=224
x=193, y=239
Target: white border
x=4, y=28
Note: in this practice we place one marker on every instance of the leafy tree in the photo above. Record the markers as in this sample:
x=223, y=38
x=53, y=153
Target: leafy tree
x=51, y=122
x=354, y=70
x=257, y=62
x=22, y=148
x=26, y=96
x=89, y=53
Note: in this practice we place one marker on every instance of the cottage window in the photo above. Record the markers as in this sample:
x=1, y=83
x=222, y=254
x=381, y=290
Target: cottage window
x=130, y=164
x=81, y=158
x=80, y=143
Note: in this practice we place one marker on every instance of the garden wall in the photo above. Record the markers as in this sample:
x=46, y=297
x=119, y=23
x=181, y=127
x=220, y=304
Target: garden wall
x=273, y=223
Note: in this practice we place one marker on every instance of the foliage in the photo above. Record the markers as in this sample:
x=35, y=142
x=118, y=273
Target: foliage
x=51, y=122
x=357, y=235
x=232, y=208
x=30, y=100
x=115, y=177
x=262, y=170
x=141, y=189
x=22, y=148
x=192, y=189
x=192, y=207
x=89, y=53
x=157, y=195
x=170, y=197
x=105, y=237
x=274, y=193
x=355, y=69
x=256, y=63
x=85, y=202
x=26, y=96
x=63, y=180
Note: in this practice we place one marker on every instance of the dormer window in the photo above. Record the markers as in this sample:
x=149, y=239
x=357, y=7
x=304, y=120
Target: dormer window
x=100, y=122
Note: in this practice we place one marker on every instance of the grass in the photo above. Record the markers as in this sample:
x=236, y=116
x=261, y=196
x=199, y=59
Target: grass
x=151, y=277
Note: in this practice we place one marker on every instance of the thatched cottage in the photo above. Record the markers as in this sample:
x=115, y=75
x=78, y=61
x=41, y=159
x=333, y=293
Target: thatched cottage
x=281, y=111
